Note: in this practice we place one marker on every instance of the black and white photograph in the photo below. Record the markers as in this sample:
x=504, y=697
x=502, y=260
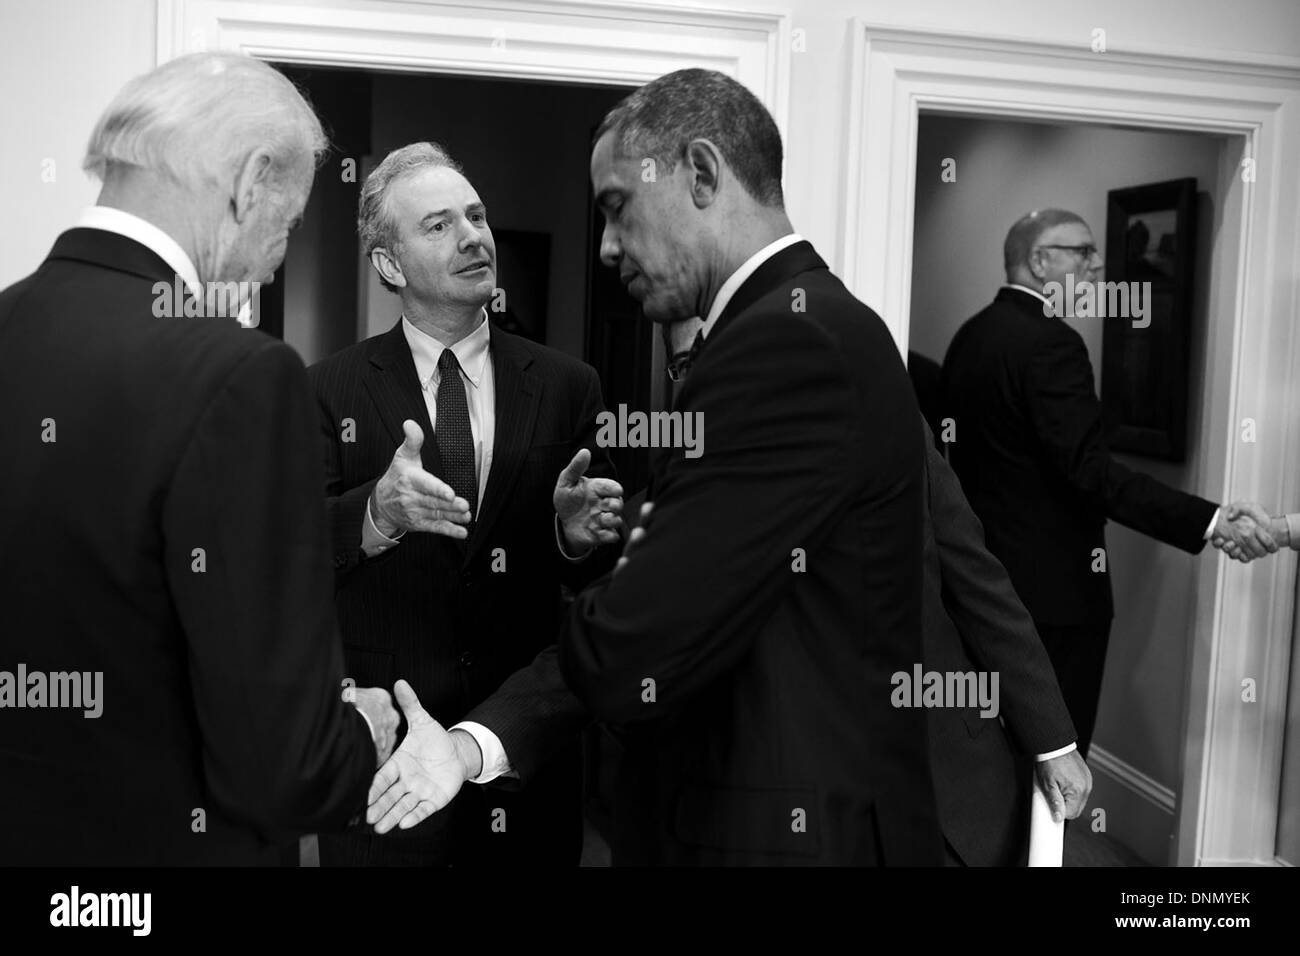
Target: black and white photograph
x=518, y=438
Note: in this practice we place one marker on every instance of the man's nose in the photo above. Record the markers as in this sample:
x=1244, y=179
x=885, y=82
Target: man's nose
x=610, y=251
x=470, y=236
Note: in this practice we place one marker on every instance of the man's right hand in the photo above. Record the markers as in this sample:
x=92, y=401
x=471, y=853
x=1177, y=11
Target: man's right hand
x=408, y=498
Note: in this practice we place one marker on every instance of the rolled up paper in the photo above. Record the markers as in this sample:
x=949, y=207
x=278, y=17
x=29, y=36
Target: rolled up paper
x=1046, y=836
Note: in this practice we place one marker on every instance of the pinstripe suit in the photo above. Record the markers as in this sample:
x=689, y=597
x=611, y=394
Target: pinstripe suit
x=435, y=611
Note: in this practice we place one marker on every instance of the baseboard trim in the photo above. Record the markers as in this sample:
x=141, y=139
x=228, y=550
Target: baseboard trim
x=1131, y=778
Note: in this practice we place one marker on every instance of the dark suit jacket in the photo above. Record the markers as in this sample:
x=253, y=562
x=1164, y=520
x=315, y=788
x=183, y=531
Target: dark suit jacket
x=430, y=609
x=973, y=621
x=771, y=738
x=221, y=687
x=1032, y=458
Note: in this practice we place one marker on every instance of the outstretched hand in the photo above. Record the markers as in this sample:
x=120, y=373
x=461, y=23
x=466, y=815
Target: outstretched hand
x=590, y=509
x=423, y=774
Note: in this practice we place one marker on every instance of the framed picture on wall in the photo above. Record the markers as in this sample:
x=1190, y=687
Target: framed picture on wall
x=1150, y=257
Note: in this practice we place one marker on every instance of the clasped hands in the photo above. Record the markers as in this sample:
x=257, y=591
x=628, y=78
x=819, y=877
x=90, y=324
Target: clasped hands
x=1246, y=531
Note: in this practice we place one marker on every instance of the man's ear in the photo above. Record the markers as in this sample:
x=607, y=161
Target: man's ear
x=251, y=182
x=704, y=167
x=386, y=265
x=1036, y=265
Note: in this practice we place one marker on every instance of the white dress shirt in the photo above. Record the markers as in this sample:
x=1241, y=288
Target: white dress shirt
x=148, y=235
x=737, y=278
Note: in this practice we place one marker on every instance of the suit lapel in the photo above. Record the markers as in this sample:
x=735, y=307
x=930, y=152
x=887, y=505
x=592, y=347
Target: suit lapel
x=518, y=394
x=396, y=392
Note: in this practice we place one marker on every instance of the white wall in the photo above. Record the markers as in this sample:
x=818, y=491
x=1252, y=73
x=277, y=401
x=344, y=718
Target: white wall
x=61, y=61
x=1004, y=169
x=64, y=58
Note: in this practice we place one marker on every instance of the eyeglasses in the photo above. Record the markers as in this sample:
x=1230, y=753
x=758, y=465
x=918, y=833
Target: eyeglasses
x=1083, y=252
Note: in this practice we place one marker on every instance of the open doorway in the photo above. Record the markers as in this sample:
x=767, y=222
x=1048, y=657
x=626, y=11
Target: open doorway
x=525, y=147
x=975, y=176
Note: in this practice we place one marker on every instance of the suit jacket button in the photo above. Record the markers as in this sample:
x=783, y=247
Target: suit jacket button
x=340, y=561
x=466, y=659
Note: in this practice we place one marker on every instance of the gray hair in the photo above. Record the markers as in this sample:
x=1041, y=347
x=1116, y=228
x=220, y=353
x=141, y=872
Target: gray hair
x=196, y=118
x=375, y=225
x=1028, y=229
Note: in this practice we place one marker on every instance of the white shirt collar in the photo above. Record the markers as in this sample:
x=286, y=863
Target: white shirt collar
x=471, y=351
x=1037, y=295
x=737, y=278
x=148, y=235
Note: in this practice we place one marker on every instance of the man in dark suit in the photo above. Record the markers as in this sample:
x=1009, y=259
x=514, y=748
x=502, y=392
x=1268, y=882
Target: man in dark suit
x=450, y=604
x=166, y=548
x=1032, y=457
x=745, y=650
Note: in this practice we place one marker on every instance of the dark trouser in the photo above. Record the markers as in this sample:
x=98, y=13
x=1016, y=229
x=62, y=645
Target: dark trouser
x=1078, y=653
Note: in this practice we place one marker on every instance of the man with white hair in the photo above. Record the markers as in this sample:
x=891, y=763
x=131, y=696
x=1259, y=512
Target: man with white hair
x=166, y=541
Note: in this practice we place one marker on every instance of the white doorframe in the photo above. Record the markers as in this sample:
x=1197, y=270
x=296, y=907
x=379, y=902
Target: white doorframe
x=1231, y=764
x=613, y=42
x=608, y=42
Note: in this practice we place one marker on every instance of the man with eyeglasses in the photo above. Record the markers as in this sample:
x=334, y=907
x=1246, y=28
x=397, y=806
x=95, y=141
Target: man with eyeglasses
x=1033, y=460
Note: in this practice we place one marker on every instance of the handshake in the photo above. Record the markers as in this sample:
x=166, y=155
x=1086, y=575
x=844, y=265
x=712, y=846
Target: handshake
x=1246, y=531
x=425, y=772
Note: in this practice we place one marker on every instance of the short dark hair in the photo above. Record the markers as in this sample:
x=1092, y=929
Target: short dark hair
x=659, y=119
x=1028, y=229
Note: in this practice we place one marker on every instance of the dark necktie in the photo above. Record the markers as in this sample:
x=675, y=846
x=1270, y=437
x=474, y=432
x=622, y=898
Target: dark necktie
x=452, y=431
x=682, y=361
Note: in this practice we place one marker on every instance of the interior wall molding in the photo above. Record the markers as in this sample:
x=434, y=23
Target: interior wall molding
x=1231, y=763
x=602, y=41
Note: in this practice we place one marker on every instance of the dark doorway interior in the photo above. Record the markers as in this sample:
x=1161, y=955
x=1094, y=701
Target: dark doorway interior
x=525, y=147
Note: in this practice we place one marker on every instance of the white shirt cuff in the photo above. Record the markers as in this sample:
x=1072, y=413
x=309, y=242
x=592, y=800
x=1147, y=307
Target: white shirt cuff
x=1043, y=758
x=559, y=542
x=374, y=541
x=1213, y=521
x=495, y=763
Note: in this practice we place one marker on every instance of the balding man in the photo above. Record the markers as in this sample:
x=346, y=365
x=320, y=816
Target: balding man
x=169, y=666
x=1033, y=460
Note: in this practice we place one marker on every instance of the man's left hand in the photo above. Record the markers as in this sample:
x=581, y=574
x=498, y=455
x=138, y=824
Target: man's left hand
x=590, y=509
